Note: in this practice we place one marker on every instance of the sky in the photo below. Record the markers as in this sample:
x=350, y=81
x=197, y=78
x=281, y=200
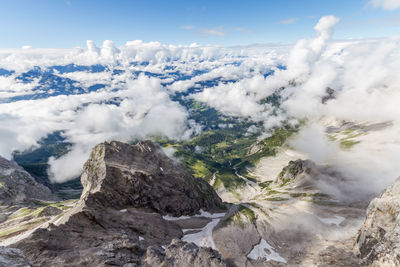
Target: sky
x=69, y=23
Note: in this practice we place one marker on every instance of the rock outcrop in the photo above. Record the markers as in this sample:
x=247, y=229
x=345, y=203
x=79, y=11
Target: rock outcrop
x=118, y=175
x=16, y=185
x=378, y=241
x=13, y=257
x=295, y=172
x=182, y=254
x=127, y=189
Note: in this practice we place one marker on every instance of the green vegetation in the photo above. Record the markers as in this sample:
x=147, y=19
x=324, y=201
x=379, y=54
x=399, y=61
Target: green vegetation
x=61, y=205
x=348, y=141
x=241, y=217
x=276, y=199
x=347, y=144
x=225, y=153
x=22, y=227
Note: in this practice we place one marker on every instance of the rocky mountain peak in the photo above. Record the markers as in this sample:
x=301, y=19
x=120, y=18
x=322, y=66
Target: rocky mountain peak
x=295, y=172
x=120, y=175
x=127, y=190
x=378, y=241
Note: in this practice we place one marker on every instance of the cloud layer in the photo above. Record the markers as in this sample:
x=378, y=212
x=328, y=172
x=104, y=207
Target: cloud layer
x=127, y=92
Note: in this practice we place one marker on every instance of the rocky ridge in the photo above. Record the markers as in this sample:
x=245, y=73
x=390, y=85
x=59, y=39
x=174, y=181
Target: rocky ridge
x=127, y=190
x=140, y=208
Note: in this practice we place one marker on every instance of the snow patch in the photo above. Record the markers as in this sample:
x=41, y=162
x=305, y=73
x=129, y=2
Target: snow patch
x=141, y=238
x=204, y=237
x=124, y=210
x=260, y=251
x=202, y=214
x=335, y=220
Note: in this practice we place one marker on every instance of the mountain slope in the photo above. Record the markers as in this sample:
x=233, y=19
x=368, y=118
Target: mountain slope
x=127, y=189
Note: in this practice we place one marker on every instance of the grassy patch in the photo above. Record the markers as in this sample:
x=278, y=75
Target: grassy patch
x=276, y=199
x=242, y=217
x=348, y=144
x=225, y=152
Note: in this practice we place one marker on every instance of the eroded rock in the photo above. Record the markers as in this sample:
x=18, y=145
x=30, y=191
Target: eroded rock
x=142, y=176
x=378, y=241
x=127, y=189
x=182, y=254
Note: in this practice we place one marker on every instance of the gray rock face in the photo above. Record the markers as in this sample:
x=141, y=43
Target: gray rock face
x=16, y=185
x=142, y=176
x=127, y=189
x=291, y=173
x=13, y=257
x=182, y=254
x=378, y=241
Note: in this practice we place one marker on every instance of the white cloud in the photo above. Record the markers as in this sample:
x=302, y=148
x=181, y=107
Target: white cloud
x=10, y=86
x=385, y=4
x=86, y=120
x=217, y=31
x=205, y=32
x=364, y=74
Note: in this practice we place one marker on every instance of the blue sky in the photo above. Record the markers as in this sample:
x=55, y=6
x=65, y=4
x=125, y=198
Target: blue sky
x=69, y=23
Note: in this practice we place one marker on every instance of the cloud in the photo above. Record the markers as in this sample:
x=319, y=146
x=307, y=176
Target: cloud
x=188, y=27
x=363, y=73
x=144, y=109
x=217, y=31
x=205, y=32
x=288, y=21
x=385, y=4
x=244, y=30
x=364, y=76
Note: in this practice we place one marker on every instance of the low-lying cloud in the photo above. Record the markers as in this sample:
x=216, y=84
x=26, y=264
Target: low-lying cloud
x=140, y=79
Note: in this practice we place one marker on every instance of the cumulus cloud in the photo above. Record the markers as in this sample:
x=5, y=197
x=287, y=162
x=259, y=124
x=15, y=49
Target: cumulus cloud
x=385, y=4
x=241, y=99
x=10, y=86
x=144, y=109
x=364, y=76
x=130, y=104
x=363, y=73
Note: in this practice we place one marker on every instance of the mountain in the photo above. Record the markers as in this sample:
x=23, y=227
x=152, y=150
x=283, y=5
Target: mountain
x=130, y=195
x=141, y=208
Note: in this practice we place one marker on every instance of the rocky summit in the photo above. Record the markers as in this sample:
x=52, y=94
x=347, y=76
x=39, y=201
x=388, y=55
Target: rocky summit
x=127, y=190
x=118, y=175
